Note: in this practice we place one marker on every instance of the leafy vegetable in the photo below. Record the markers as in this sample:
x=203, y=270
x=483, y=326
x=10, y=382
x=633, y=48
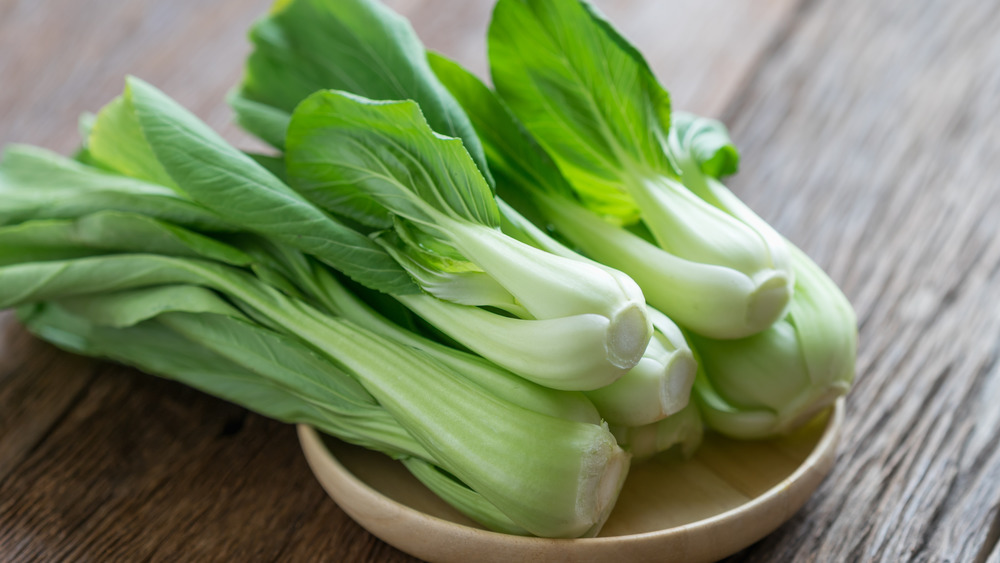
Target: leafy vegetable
x=701, y=296
x=211, y=173
x=317, y=282
x=395, y=177
x=575, y=464
x=703, y=152
x=444, y=214
x=509, y=454
x=229, y=357
x=574, y=343
x=660, y=384
x=589, y=98
x=777, y=380
x=162, y=246
x=202, y=166
x=358, y=46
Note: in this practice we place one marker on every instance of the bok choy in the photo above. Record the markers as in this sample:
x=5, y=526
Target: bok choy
x=592, y=102
x=442, y=417
x=426, y=222
x=776, y=380
x=382, y=165
x=513, y=236
x=564, y=324
x=753, y=387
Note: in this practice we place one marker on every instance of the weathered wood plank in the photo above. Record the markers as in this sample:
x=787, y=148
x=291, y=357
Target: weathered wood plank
x=145, y=468
x=32, y=403
x=868, y=139
x=60, y=58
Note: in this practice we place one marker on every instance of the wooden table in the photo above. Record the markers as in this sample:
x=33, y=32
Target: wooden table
x=870, y=133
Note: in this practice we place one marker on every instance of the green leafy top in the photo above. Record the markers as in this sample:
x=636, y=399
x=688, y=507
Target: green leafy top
x=198, y=163
x=39, y=184
x=116, y=142
x=358, y=46
x=588, y=95
x=371, y=160
x=514, y=155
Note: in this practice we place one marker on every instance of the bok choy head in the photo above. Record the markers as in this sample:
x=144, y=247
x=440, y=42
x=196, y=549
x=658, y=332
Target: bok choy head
x=592, y=102
x=549, y=476
x=773, y=382
x=442, y=225
x=380, y=164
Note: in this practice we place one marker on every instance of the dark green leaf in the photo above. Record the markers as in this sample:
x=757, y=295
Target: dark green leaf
x=225, y=180
x=358, y=46
x=38, y=184
x=584, y=92
x=340, y=145
x=514, y=156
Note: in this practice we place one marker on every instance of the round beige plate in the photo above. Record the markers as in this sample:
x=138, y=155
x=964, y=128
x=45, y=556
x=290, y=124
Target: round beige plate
x=728, y=496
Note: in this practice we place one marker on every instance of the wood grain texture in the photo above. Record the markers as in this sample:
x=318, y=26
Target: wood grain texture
x=59, y=58
x=31, y=405
x=143, y=468
x=869, y=139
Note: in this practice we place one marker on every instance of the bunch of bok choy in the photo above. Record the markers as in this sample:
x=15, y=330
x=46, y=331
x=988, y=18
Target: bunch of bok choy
x=570, y=284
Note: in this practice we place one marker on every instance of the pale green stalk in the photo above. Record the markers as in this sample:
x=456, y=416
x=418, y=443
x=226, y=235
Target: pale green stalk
x=660, y=384
x=683, y=430
x=701, y=297
x=208, y=345
x=775, y=381
x=656, y=388
x=320, y=284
